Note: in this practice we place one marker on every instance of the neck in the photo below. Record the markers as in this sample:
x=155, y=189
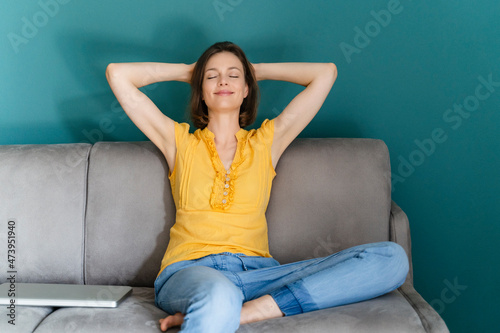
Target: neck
x=224, y=127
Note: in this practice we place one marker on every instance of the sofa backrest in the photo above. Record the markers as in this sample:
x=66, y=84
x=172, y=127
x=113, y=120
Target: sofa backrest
x=43, y=195
x=101, y=214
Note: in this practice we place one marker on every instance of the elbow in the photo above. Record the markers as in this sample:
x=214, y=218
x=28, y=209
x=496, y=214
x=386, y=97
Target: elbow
x=332, y=69
x=111, y=71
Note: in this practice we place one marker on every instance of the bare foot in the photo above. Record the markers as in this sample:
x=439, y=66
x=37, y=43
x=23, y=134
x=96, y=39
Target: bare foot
x=259, y=309
x=171, y=321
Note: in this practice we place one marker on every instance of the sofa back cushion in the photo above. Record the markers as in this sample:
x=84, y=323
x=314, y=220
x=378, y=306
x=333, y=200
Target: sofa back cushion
x=43, y=193
x=129, y=214
x=329, y=194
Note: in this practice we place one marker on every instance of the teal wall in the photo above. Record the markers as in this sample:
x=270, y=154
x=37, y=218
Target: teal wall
x=414, y=80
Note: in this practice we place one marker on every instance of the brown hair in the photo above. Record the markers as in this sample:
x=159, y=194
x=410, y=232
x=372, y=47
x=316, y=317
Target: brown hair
x=199, y=110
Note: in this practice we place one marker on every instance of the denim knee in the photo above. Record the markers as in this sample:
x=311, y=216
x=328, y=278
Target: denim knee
x=210, y=301
x=216, y=308
x=404, y=263
x=398, y=265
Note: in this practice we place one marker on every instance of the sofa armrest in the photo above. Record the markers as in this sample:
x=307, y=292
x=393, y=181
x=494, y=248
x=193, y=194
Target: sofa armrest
x=399, y=229
x=430, y=319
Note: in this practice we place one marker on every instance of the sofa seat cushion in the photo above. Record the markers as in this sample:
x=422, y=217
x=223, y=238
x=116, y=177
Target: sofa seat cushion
x=388, y=313
x=137, y=313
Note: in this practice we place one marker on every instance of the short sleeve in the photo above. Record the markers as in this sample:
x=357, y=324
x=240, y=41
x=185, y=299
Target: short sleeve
x=266, y=132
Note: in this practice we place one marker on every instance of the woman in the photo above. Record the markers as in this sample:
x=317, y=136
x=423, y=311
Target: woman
x=217, y=272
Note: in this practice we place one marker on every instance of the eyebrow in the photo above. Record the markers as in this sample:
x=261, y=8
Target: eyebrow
x=214, y=69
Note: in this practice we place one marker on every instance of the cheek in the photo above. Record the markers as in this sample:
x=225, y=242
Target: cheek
x=242, y=87
x=209, y=85
x=205, y=89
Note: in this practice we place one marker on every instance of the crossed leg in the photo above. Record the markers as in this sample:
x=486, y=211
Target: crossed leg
x=360, y=273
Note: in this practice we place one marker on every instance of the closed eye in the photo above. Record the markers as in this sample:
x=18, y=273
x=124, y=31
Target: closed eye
x=231, y=76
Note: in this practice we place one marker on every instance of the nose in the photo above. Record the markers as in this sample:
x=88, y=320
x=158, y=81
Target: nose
x=222, y=81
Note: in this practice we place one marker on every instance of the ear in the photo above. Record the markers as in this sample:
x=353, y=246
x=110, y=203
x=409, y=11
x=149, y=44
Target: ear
x=246, y=90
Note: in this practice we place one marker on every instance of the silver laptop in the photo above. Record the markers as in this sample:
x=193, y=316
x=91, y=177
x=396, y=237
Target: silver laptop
x=63, y=295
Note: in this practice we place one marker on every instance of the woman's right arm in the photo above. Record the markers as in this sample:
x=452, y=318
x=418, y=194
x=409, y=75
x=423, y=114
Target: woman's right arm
x=125, y=79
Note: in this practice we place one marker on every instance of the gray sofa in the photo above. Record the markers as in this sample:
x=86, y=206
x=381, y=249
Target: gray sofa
x=101, y=214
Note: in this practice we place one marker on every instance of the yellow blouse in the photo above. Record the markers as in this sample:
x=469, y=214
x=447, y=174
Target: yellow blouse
x=219, y=210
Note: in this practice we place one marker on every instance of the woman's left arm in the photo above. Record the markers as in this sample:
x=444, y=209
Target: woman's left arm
x=318, y=78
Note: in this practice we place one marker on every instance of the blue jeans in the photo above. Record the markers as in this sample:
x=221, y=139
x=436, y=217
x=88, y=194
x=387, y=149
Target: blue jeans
x=210, y=291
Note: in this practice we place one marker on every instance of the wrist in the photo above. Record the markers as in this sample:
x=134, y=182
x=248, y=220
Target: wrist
x=186, y=73
x=257, y=72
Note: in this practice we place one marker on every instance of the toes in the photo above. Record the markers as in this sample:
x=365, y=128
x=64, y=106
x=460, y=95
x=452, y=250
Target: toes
x=171, y=321
x=163, y=324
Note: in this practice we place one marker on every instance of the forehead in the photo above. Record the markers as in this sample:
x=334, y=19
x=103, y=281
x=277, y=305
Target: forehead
x=223, y=60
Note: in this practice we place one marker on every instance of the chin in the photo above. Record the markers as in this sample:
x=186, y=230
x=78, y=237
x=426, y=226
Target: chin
x=224, y=107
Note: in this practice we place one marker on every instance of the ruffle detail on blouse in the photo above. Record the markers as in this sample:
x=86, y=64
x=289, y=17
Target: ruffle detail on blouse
x=217, y=196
